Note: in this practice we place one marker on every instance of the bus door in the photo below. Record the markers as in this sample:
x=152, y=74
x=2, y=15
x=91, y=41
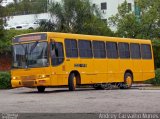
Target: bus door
x=57, y=62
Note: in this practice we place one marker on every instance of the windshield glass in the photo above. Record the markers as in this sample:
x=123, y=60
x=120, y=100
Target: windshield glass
x=30, y=55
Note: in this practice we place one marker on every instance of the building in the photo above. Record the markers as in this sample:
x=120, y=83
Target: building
x=107, y=8
x=110, y=7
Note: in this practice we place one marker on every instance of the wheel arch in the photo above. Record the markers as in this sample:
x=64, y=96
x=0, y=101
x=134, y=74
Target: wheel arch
x=77, y=75
x=129, y=71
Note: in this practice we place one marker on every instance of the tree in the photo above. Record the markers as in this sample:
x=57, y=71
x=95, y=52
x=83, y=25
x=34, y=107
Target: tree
x=76, y=16
x=145, y=25
x=27, y=7
x=2, y=16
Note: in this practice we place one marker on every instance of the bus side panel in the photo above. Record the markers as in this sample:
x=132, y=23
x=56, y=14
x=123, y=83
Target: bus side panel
x=125, y=64
x=148, y=69
x=100, y=70
x=137, y=70
x=114, y=71
x=87, y=71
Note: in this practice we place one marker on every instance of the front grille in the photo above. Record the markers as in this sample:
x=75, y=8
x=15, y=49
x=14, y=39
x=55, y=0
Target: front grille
x=27, y=83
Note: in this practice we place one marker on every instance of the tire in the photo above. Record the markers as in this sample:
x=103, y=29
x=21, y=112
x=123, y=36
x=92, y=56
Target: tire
x=41, y=89
x=72, y=82
x=31, y=28
x=128, y=80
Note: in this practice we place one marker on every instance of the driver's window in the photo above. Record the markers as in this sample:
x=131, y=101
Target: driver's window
x=57, y=54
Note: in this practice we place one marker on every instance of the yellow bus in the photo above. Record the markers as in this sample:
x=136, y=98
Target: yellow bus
x=60, y=59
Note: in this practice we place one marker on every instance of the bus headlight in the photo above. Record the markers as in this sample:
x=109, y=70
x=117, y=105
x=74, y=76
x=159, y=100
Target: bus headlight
x=14, y=78
x=42, y=76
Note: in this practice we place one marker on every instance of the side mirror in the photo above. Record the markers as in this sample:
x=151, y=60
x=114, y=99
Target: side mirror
x=54, y=47
x=52, y=41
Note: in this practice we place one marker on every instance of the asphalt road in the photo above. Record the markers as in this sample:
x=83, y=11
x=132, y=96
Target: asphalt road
x=84, y=100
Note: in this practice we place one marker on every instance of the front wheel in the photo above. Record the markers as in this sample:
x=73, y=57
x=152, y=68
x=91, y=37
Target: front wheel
x=41, y=89
x=72, y=82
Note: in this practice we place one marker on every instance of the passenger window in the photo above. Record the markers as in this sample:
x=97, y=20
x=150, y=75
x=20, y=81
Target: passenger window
x=71, y=48
x=146, y=51
x=135, y=51
x=57, y=54
x=112, y=51
x=99, y=49
x=124, y=50
x=85, y=49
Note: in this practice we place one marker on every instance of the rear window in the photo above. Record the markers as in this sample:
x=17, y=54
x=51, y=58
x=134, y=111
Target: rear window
x=146, y=51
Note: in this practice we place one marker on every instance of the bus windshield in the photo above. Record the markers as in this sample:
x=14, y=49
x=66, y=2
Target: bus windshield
x=30, y=55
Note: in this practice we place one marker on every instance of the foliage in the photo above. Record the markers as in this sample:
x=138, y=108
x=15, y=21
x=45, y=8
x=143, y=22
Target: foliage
x=5, y=80
x=75, y=17
x=27, y=7
x=5, y=41
x=156, y=50
x=156, y=80
x=145, y=25
x=2, y=16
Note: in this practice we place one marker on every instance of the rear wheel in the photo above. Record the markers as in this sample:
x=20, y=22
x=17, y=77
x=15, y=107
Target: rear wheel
x=72, y=82
x=128, y=80
x=41, y=89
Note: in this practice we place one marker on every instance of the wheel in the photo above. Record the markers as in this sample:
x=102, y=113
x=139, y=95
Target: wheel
x=72, y=82
x=41, y=89
x=30, y=27
x=128, y=80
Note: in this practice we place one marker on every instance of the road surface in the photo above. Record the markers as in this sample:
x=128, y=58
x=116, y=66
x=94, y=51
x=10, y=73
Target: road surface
x=84, y=100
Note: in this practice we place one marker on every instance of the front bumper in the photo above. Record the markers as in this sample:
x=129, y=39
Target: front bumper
x=30, y=83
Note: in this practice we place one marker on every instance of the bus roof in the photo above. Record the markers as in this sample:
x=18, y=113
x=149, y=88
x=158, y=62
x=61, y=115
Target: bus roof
x=88, y=37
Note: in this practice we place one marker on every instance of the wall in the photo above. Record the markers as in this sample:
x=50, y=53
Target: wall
x=5, y=62
x=112, y=6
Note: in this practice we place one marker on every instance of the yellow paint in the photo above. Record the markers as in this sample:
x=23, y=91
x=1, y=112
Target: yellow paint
x=97, y=70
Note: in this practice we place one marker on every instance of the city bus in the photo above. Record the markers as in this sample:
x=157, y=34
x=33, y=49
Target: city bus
x=51, y=59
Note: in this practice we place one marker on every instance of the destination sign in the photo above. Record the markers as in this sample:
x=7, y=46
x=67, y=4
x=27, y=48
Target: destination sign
x=30, y=37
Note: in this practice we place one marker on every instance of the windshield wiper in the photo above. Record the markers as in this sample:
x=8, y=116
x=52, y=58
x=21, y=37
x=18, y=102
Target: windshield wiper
x=33, y=46
x=26, y=55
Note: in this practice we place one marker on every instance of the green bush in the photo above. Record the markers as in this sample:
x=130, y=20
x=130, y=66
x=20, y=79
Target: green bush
x=5, y=80
x=156, y=80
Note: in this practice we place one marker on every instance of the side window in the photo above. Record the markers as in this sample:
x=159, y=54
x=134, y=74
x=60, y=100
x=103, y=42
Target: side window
x=57, y=54
x=71, y=48
x=135, y=51
x=99, y=49
x=124, y=50
x=85, y=49
x=146, y=51
x=112, y=51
